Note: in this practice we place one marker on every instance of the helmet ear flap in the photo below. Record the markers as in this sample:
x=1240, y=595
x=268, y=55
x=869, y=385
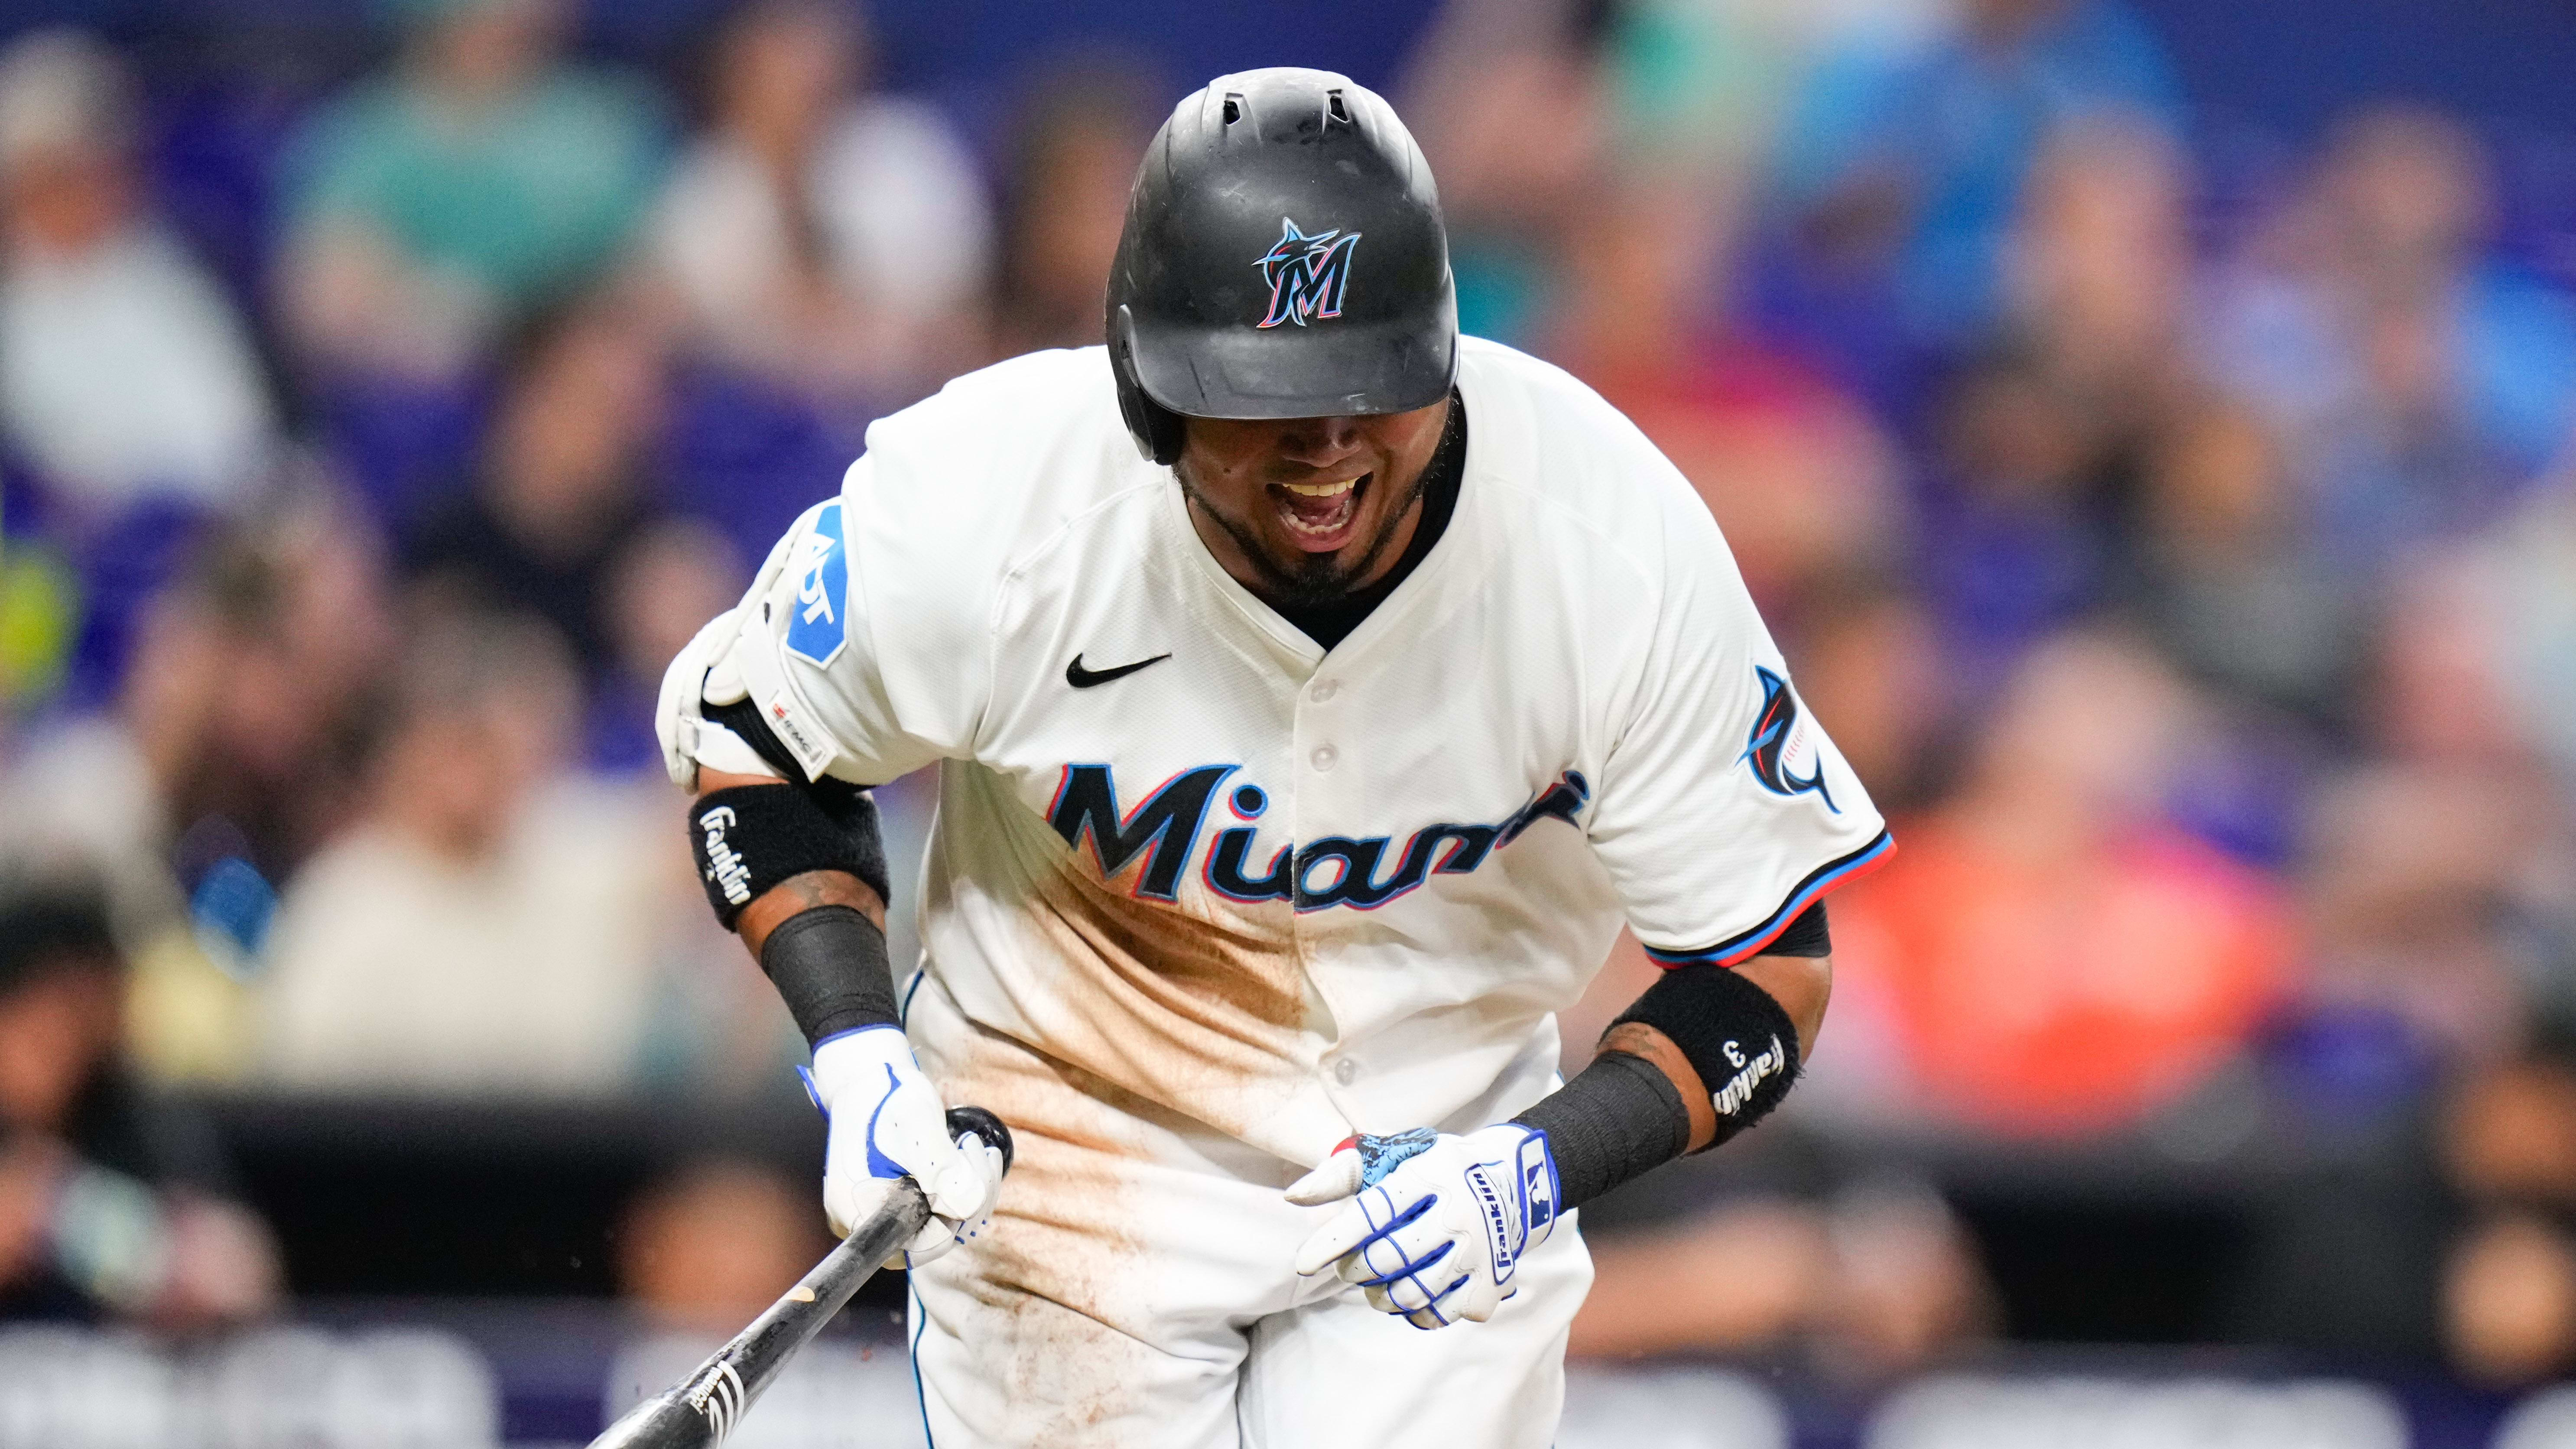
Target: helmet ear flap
x=1163, y=431
x=1157, y=429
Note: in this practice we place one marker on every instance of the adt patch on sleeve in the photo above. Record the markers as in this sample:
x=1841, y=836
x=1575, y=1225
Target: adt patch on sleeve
x=819, y=629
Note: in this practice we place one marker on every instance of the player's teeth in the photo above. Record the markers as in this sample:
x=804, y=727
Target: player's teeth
x=1321, y=490
x=1338, y=516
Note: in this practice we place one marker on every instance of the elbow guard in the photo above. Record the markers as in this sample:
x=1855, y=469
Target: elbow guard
x=1737, y=1038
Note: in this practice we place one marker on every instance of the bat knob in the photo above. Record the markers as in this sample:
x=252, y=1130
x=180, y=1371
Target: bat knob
x=985, y=1125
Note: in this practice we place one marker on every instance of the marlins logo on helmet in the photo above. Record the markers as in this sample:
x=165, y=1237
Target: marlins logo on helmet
x=1306, y=273
x=1776, y=735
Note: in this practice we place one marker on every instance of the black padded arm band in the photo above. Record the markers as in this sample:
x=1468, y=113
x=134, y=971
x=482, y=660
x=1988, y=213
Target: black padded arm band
x=1739, y=1040
x=829, y=965
x=1619, y=1118
x=747, y=838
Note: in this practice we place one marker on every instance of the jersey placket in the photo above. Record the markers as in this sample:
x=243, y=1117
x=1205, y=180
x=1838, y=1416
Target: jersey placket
x=1324, y=790
x=1303, y=792
x=1327, y=787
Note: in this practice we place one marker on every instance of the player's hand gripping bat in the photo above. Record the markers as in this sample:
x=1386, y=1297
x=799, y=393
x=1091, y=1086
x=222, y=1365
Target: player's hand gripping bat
x=704, y=1407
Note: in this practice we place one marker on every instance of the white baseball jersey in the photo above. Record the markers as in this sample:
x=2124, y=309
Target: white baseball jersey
x=1287, y=892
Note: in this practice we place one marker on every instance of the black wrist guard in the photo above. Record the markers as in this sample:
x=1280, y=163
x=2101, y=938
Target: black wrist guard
x=1618, y=1118
x=747, y=838
x=1737, y=1038
x=829, y=965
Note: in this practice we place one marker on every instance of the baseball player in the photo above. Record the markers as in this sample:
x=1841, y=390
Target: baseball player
x=1315, y=692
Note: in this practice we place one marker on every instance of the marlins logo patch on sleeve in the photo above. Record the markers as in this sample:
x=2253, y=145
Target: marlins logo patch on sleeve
x=1780, y=745
x=818, y=627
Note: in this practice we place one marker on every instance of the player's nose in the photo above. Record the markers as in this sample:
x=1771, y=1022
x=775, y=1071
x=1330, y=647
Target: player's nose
x=1320, y=442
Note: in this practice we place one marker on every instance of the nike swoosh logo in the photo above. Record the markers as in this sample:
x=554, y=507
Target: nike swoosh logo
x=1081, y=678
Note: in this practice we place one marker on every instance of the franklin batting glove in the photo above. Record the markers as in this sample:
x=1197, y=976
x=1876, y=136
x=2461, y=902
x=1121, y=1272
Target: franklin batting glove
x=884, y=1120
x=1435, y=1224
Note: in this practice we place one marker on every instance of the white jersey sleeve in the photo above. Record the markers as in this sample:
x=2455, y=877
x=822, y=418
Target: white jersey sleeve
x=867, y=642
x=1724, y=810
x=811, y=650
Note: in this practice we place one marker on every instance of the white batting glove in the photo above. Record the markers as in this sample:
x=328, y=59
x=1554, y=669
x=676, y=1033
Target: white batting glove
x=884, y=1120
x=1436, y=1223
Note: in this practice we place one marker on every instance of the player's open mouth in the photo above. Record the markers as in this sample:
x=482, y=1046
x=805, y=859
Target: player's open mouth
x=1322, y=516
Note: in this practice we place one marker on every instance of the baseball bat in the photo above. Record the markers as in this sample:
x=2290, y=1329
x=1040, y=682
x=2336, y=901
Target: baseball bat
x=700, y=1410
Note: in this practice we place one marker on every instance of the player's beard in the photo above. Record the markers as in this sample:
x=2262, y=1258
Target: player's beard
x=1316, y=580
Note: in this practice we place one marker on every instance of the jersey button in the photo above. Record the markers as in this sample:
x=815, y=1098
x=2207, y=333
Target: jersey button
x=1325, y=756
x=1323, y=691
x=1344, y=1070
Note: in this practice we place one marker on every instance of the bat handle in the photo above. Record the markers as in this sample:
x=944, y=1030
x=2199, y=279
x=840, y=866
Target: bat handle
x=984, y=1125
x=704, y=1407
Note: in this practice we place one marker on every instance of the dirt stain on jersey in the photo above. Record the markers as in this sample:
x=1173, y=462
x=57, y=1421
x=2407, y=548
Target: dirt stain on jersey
x=1200, y=1005
x=1054, y=1303
x=1209, y=1016
x=1237, y=976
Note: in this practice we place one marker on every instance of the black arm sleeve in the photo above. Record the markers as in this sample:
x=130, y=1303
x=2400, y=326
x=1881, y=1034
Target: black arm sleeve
x=829, y=965
x=1618, y=1119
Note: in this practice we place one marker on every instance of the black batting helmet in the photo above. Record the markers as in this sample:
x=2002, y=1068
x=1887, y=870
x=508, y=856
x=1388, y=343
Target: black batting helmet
x=1283, y=258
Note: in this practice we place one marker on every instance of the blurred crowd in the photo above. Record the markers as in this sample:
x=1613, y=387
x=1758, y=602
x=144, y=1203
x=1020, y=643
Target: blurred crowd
x=2195, y=586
